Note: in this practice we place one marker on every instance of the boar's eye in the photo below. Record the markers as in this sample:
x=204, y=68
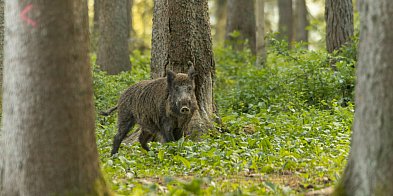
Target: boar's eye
x=189, y=88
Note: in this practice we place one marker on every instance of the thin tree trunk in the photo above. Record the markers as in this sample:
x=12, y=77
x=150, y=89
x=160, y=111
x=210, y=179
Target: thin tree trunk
x=131, y=30
x=181, y=33
x=370, y=164
x=221, y=17
x=48, y=114
x=301, y=13
x=96, y=15
x=113, y=53
x=260, y=32
x=96, y=29
x=241, y=18
x=339, y=23
x=285, y=21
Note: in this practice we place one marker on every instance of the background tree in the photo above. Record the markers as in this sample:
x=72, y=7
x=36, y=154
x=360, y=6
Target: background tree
x=339, y=23
x=285, y=20
x=129, y=16
x=241, y=18
x=221, y=17
x=96, y=14
x=260, y=32
x=113, y=54
x=301, y=23
x=181, y=33
x=48, y=114
x=369, y=168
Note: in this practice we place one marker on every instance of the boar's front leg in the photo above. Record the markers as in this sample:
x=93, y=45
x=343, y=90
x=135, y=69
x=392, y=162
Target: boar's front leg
x=144, y=137
x=167, y=131
x=178, y=133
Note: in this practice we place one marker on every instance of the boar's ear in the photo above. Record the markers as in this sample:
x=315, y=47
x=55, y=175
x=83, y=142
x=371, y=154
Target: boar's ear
x=170, y=76
x=191, y=71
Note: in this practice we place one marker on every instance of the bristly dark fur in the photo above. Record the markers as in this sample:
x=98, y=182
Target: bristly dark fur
x=155, y=106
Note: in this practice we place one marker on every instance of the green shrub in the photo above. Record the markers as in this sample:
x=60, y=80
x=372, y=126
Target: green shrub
x=296, y=77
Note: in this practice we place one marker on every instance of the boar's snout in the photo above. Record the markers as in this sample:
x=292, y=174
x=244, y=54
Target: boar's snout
x=184, y=106
x=185, y=110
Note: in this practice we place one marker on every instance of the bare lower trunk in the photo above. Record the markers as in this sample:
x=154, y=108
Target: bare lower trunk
x=132, y=30
x=241, y=18
x=160, y=39
x=113, y=54
x=285, y=22
x=260, y=32
x=339, y=23
x=301, y=13
x=96, y=15
x=1, y=46
x=181, y=33
x=370, y=164
x=220, y=14
x=48, y=139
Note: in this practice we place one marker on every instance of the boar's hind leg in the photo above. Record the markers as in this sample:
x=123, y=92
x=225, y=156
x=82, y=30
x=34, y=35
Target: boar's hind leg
x=144, y=137
x=125, y=123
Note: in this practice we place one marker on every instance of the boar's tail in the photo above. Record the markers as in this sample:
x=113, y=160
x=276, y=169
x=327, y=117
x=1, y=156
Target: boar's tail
x=106, y=113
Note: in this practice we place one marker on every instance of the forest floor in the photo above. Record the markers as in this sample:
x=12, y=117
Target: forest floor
x=288, y=129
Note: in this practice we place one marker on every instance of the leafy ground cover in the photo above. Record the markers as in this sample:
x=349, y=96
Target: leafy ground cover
x=286, y=128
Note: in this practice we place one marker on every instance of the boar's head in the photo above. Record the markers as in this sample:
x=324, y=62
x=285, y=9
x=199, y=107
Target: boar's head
x=181, y=89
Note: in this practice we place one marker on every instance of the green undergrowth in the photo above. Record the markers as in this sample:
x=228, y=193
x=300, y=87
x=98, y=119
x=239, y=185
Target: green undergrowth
x=285, y=128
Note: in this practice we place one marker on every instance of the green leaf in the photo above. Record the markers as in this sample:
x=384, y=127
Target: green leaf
x=160, y=155
x=183, y=160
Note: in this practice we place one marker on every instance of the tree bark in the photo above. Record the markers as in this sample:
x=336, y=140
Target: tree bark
x=260, y=32
x=285, y=21
x=1, y=91
x=129, y=16
x=221, y=17
x=301, y=32
x=370, y=163
x=181, y=33
x=48, y=134
x=160, y=39
x=113, y=54
x=241, y=18
x=96, y=15
x=1, y=47
x=339, y=23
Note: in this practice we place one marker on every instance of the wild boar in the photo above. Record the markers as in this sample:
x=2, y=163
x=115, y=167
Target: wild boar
x=161, y=106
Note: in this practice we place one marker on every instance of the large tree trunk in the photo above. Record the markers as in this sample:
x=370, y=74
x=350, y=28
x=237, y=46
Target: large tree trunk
x=1, y=91
x=370, y=164
x=221, y=17
x=113, y=54
x=339, y=23
x=285, y=21
x=260, y=32
x=181, y=33
x=48, y=114
x=1, y=47
x=301, y=32
x=241, y=18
